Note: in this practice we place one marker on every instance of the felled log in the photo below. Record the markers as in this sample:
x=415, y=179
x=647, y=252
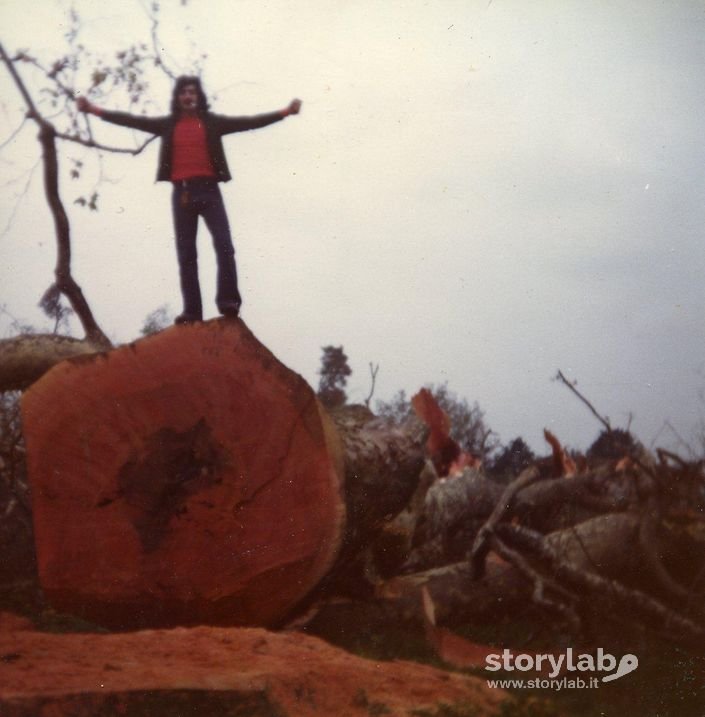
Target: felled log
x=592, y=570
x=25, y=358
x=454, y=510
x=459, y=597
x=192, y=478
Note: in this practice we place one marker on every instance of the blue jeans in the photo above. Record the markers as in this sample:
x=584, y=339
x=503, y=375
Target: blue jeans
x=201, y=197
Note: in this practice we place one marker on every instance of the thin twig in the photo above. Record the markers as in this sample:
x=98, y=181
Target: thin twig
x=66, y=91
x=103, y=147
x=154, y=31
x=70, y=94
x=14, y=134
x=19, y=198
x=664, y=454
x=681, y=441
x=20, y=86
x=571, y=385
x=373, y=374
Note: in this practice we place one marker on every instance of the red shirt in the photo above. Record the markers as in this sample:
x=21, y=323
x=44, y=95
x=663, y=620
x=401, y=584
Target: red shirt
x=190, y=155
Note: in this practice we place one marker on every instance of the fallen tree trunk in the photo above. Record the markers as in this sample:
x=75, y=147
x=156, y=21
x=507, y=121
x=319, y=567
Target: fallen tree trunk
x=461, y=597
x=192, y=478
x=592, y=572
x=26, y=358
x=455, y=509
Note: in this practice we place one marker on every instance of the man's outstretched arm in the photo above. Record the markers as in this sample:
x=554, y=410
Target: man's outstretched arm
x=227, y=125
x=153, y=125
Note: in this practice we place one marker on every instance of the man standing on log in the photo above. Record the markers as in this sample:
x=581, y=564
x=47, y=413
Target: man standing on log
x=193, y=159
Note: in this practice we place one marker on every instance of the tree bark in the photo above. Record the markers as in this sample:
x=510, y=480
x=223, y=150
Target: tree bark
x=606, y=543
x=26, y=358
x=64, y=279
x=192, y=478
x=65, y=282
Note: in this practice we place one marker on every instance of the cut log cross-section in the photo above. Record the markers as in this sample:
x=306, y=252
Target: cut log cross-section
x=187, y=478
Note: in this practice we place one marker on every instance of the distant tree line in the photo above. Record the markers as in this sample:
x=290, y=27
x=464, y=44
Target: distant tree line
x=469, y=427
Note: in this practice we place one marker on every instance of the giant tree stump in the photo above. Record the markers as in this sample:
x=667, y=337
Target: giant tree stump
x=189, y=477
x=192, y=478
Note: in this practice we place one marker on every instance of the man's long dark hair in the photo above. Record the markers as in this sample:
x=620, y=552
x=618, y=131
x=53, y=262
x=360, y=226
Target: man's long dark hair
x=181, y=82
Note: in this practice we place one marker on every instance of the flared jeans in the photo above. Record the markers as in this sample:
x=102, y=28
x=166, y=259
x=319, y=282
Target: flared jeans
x=192, y=198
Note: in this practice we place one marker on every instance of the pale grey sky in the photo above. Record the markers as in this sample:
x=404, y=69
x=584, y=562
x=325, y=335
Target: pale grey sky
x=478, y=193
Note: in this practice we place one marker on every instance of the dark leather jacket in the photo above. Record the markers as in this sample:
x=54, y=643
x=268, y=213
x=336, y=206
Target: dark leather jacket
x=216, y=127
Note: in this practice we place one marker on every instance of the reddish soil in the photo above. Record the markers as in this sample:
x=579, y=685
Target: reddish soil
x=217, y=671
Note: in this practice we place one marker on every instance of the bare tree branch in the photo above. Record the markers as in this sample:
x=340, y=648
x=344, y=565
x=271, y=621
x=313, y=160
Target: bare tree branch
x=589, y=583
x=52, y=75
x=20, y=85
x=13, y=135
x=681, y=441
x=483, y=540
x=151, y=13
x=571, y=385
x=373, y=373
x=70, y=95
x=19, y=197
x=104, y=147
x=64, y=279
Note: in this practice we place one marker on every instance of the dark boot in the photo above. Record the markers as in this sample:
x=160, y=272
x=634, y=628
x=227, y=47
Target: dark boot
x=187, y=318
x=230, y=309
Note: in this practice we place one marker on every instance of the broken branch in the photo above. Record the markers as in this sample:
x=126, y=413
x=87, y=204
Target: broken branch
x=571, y=385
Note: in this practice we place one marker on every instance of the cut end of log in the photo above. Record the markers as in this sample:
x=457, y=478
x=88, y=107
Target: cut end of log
x=187, y=478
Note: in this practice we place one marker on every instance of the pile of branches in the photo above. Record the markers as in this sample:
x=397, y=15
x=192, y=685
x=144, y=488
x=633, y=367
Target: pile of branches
x=587, y=546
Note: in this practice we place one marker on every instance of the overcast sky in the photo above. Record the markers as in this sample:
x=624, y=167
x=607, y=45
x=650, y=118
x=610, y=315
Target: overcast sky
x=478, y=193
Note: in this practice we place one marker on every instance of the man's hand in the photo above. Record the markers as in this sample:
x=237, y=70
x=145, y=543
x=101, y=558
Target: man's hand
x=85, y=106
x=293, y=109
